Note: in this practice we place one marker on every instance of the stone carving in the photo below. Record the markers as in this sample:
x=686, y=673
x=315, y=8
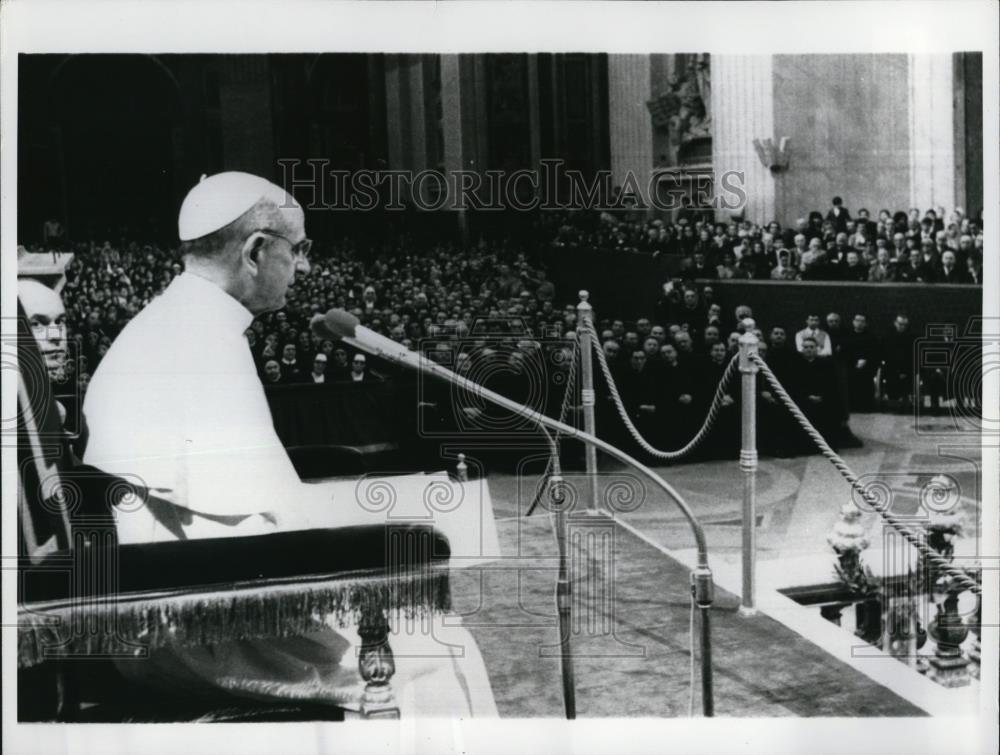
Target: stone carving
x=684, y=110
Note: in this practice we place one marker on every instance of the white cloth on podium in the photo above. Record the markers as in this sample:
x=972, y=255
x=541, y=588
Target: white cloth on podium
x=176, y=405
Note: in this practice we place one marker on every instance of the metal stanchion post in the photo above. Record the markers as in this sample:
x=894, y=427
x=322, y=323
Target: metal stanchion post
x=585, y=325
x=564, y=600
x=748, y=465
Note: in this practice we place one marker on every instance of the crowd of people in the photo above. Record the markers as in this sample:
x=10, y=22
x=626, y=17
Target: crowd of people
x=410, y=296
x=906, y=247
x=488, y=310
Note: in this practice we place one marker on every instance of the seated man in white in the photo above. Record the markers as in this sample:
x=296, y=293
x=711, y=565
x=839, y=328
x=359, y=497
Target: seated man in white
x=178, y=403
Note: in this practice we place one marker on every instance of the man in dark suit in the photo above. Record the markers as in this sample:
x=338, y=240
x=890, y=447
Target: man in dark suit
x=641, y=396
x=272, y=373
x=838, y=215
x=897, y=354
x=780, y=353
x=690, y=312
x=913, y=271
x=949, y=272
x=702, y=268
x=865, y=225
x=678, y=394
x=852, y=268
x=930, y=258
x=724, y=439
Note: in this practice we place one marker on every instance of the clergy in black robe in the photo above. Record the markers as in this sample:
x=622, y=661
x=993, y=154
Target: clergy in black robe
x=680, y=420
x=861, y=357
x=815, y=390
x=723, y=440
x=897, y=364
x=641, y=396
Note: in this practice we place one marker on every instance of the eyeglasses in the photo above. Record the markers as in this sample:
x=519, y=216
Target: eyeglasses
x=300, y=249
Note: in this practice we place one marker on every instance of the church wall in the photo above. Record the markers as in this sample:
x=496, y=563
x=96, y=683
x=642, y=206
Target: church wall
x=631, y=135
x=848, y=121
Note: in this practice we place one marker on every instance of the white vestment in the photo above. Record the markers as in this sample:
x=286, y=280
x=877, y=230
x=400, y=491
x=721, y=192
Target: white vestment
x=177, y=403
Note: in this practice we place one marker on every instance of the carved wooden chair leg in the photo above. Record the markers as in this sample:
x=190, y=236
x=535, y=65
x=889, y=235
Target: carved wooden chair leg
x=377, y=666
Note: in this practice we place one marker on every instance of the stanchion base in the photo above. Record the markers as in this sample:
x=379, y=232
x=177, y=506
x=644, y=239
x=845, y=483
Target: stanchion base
x=748, y=611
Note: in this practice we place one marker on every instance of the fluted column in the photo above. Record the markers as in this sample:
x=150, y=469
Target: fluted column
x=631, y=129
x=246, y=115
x=743, y=110
x=932, y=131
x=393, y=112
x=417, y=113
x=451, y=107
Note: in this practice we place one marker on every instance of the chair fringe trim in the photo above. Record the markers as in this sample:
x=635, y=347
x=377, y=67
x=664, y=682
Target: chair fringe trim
x=130, y=625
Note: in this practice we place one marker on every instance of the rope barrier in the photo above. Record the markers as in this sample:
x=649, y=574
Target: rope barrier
x=713, y=411
x=570, y=388
x=941, y=562
x=912, y=537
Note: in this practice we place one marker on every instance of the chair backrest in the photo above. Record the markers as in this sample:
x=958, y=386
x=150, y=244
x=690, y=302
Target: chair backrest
x=42, y=506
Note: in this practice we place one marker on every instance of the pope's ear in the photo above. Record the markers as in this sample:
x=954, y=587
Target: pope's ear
x=251, y=251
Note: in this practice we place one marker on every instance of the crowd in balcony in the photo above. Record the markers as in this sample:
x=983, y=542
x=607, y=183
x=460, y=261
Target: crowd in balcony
x=930, y=246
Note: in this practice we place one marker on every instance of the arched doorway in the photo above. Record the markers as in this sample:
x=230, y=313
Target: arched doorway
x=115, y=121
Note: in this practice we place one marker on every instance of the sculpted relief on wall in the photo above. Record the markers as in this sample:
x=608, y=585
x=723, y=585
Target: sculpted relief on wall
x=682, y=112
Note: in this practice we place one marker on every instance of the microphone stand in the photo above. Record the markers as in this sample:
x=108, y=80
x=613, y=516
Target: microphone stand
x=702, y=587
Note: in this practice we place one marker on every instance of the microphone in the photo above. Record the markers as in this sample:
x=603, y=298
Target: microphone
x=340, y=325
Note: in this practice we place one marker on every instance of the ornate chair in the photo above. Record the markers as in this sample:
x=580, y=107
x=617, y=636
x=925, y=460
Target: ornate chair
x=84, y=599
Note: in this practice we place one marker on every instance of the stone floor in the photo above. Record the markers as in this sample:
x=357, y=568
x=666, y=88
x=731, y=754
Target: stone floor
x=762, y=668
x=631, y=638
x=798, y=499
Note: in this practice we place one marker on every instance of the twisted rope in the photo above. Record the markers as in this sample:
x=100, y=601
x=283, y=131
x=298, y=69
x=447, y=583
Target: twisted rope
x=713, y=411
x=570, y=389
x=907, y=533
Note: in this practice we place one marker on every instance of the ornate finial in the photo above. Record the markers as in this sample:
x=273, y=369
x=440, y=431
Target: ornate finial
x=462, y=469
x=848, y=533
x=584, y=295
x=749, y=324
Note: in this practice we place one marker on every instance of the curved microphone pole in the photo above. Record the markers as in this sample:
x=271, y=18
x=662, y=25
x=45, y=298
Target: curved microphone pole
x=345, y=327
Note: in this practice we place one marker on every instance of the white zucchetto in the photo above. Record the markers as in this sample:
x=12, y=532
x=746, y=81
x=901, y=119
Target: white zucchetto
x=216, y=201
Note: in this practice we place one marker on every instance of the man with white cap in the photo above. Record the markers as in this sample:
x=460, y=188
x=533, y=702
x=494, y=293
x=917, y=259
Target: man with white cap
x=178, y=403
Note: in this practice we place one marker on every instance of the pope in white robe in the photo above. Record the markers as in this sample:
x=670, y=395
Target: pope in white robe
x=177, y=402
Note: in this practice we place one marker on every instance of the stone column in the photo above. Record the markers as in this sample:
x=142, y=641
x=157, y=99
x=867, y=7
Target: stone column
x=405, y=110
x=631, y=129
x=930, y=82
x=394, y=117
x=534, y=112
x=451, y=105
x=743, y=110
x=417, y=113
x=245, y=114
x=464, y=129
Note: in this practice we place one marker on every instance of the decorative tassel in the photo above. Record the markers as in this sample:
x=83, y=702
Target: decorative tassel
x=105, y=626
